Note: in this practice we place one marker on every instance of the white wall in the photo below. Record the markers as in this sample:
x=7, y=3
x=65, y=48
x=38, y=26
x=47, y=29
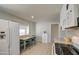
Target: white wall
x=40, y=28
x=7, y=16
x=43, y=26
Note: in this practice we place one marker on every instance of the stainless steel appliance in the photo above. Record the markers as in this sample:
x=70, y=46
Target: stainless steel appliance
x=62, y=49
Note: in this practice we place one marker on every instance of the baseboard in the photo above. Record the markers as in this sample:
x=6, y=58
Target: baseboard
x=4, y=53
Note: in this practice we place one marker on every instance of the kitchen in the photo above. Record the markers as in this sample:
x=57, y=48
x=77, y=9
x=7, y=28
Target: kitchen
x=57, y=34
x=69, y=29
x=36, y=25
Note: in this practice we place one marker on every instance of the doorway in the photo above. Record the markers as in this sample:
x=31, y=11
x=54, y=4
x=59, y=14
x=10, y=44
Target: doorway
x=54, y=32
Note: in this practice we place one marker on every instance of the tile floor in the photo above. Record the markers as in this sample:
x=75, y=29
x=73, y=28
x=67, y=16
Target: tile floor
x=39, y=49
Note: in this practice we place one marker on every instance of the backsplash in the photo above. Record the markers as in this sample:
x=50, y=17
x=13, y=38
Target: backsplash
x=70, y=33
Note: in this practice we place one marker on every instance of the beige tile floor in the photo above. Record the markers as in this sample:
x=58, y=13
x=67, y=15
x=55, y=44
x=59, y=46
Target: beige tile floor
x=39, y=49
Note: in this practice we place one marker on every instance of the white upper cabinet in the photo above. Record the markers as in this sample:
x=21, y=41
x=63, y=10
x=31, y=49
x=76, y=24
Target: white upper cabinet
x=63, y=17
x=68, y=16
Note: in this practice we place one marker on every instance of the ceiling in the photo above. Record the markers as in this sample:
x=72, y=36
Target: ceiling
x=41, y=12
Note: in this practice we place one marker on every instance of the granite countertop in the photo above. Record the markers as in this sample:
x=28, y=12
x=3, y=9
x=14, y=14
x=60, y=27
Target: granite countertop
x=62, y=41
x=58, y=41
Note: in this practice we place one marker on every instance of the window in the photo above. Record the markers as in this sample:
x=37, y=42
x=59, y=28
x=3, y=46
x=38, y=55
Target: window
x=24, y=30
x=27, y=30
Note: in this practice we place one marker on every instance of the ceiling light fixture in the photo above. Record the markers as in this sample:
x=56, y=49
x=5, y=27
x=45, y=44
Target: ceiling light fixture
x=32, y=17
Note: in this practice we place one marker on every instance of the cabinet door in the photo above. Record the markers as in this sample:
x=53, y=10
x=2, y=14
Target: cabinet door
x=72, y=15
x=69, y=16
x=76, y=14
x=63, y=17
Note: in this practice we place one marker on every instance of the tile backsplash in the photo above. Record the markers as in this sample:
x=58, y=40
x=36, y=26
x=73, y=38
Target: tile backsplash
x=70, y=33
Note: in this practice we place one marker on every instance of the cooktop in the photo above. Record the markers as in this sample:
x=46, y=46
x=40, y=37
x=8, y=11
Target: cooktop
x=66, y=49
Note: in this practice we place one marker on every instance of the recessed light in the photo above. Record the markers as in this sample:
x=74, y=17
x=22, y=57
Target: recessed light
x=32, y=17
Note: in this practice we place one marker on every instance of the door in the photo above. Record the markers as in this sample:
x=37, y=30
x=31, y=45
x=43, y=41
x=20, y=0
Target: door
x=4, y=37
x=54, y=32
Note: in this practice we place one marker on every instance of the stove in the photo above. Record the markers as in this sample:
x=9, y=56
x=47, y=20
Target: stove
x=65, y=49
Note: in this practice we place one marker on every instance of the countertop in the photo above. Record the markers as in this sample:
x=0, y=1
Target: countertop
x=58, y=41
x=61, y=40
x=25, y=37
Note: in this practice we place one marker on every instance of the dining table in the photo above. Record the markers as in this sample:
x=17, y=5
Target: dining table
x=24, y=39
